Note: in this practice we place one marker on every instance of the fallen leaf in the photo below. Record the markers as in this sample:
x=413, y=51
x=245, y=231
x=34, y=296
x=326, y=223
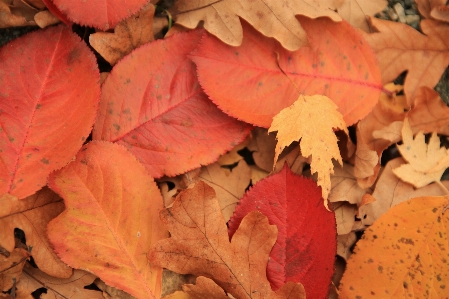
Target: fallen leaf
x=355, y=12
x=152, y=104
x=55, y=102
x=425, y=6
x=344, y=185
x=345, y=216
x=204, y=288
x=412, y=238
x=110, y=292
x=311, y=119
x=344, y=244
x=229, y=186
x=401, y=48
x=178, y=295
x=305, y=247
x=260, y=72
x=440, y=13
x=199, y=245
x=110, y=219
x=426, y=162
x=72, y=287
x=233, y=156
x=128, y=35
x=295, y=161
x=32, y=215
x=272, y=18
x=262, y=147
x=390, y=191
x=57, y=13
x=45, y=18
x=101, y=14
x=14, y=16
x=11, y=267
x=172, y=281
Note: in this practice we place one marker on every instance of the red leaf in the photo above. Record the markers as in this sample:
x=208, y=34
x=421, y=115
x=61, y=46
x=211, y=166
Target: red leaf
x=55, y=11
x=49, y=92
x=307, y=240
x=101, y=14
x=246, y=81
x=152, y=104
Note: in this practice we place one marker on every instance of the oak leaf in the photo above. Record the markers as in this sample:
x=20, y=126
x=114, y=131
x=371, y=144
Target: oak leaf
x=401, y=48
x=11, y=267
x=273, y=18
x=412, y=237
x=311, y=119
x=390, y=191
x=426, y=162
x=305, y=247
x=101, y=14
x=47, y=106
x=128, y=35
x=262, y=78
x=110, y=219
x=32, y=215
x=152, y=104
x=199, y=245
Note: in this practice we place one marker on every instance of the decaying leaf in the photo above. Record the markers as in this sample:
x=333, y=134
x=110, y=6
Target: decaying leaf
x=273, y=18
x=153, y=105
x=47, y=106
x=305, y=247
x=204, y=288
x=401, y=48
x=412, y=238
x=311, y=119
x=111, y=218
x=199, y=245
x=262, y=147
x=128, y=35
x=11, y=267
x=259, y=73
x=32, y=215
x=344, y=185
x=16, y=13
x=426, y=162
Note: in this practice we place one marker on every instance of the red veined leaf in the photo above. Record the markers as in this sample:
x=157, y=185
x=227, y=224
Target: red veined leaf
x=101, y=14
x=49, y=93
x=247, y=83
x=307, y=237
x=152, y=104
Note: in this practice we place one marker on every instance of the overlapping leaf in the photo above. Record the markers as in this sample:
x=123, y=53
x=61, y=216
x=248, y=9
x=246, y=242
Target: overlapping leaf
x=49, y=93
x=306, y=244
x=252, y=82
x=111, y=218
x=152, y=104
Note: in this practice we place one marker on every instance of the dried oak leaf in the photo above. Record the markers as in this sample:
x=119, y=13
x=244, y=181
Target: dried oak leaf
x=355, y=12
x=311, y=119
x=426, y=162
x=11, y=267
x=49, y=95
x=401, y=48
x=101, y=14
x=390, y=191
x=153, y=105
x=412, y=240
x=262, y=78
x=273, y=18
x=111, y=218
x=128, y=35
x=199, y=245
x=306, y=243
x=74, y=286
x=32, y=215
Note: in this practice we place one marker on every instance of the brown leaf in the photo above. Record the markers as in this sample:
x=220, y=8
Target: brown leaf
x=128, y=35
x=11, y=267
x=345, y=216
x=233, y=156
x=262, y=146
x=344, y=244
x=199, y=245
x=45, y=18
x=32, y=215
x=295, y=161
x=426, y=6
x=344, y=185
x=12, y=16
x=272, y=18
x=204, y=288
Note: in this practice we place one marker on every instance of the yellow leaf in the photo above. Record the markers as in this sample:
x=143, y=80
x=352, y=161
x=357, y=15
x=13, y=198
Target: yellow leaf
x=426, y=162
x=404, y=254
x=311, y=119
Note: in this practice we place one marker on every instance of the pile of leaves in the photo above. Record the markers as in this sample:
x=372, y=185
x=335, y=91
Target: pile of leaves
x=237, y=160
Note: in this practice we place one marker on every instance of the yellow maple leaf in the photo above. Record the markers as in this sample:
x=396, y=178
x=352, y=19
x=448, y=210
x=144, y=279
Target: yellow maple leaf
x=311, y=119
x=426, y=162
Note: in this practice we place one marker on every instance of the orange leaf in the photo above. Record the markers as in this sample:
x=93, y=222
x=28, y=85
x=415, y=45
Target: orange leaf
x=128, y=35
x=199, y=245
x=311, y=119
x=110, y=219
x=401, y=48
x=11, y=267
x=412, y=240
x=204, y=288
x=272, y=18
x=427, y=162
x=32, y=215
